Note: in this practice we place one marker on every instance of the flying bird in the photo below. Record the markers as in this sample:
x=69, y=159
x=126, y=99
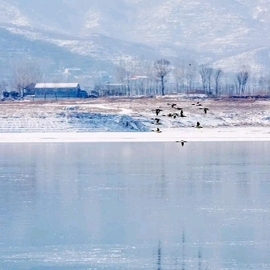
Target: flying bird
x=182, y=142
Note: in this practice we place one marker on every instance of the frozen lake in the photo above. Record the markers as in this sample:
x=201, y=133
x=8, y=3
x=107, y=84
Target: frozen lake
x=135, y=205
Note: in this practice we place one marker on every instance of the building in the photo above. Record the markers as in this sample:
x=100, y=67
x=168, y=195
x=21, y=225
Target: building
x=55, y=91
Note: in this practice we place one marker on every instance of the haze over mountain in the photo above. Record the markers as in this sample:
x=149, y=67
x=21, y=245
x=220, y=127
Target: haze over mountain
x=96, y=34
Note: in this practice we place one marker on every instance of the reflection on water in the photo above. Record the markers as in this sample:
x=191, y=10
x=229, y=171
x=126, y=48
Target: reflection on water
x=159, y=256
x=135, y=206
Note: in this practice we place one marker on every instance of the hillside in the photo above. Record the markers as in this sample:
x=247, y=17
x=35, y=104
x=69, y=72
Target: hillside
x=227, y=33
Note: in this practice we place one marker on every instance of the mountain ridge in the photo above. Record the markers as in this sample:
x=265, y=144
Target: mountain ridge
x=210, y=31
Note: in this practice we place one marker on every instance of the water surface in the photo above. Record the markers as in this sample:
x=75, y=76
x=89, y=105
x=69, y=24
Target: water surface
x=135, y=206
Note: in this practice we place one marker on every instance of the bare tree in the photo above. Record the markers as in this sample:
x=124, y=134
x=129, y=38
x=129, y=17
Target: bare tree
x=217, y=77
x=264, y=84
x=209, y=79
x=229, y=87
x=124, y=71
x=121, y=74
x=190, y=75
x=206, y=75
x=162, y=67
x=178, y=73
x=151, y=82
x=203, y=74
x=24, y=74
x=3, y=86
x=179, y=79
x=242, y=78
x=141, y=80
x=268, y=82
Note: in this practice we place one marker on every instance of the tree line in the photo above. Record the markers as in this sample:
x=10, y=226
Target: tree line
x=160, y=77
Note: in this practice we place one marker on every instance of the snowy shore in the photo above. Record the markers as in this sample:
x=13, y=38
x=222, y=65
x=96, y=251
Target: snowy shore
x=134, y=120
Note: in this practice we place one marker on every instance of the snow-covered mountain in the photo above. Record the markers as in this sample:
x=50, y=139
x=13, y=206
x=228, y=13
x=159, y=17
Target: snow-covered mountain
x=228, y=33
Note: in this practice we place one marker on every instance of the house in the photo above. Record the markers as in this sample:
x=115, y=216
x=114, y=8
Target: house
x=55, y=91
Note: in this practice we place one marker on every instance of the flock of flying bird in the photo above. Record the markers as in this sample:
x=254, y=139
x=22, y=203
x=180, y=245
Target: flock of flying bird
x=178, y=112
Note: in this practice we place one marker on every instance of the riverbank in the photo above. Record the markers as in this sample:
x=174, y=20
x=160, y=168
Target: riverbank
x=167, y=135
x=77, y=119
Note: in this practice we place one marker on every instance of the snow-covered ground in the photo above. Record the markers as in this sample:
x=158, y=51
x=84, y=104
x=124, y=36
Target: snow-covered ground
x=133, y=119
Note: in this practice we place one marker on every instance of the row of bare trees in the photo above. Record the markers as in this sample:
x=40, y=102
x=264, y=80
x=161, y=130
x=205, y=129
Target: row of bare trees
x=162, y=77
x=159, y=77
x=23, y=74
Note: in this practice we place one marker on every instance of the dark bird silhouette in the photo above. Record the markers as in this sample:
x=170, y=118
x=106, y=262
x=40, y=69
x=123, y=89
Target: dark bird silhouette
x=178, y=108
x=157, y=130
x=157, y=121
x=204, y=109
x=182, y=142
x=174, y=115
x=182, y=114
x=157, y=111
x=173, y=105
x=198, y=125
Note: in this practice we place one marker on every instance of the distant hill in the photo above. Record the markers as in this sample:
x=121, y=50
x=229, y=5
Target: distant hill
x=227, y=33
